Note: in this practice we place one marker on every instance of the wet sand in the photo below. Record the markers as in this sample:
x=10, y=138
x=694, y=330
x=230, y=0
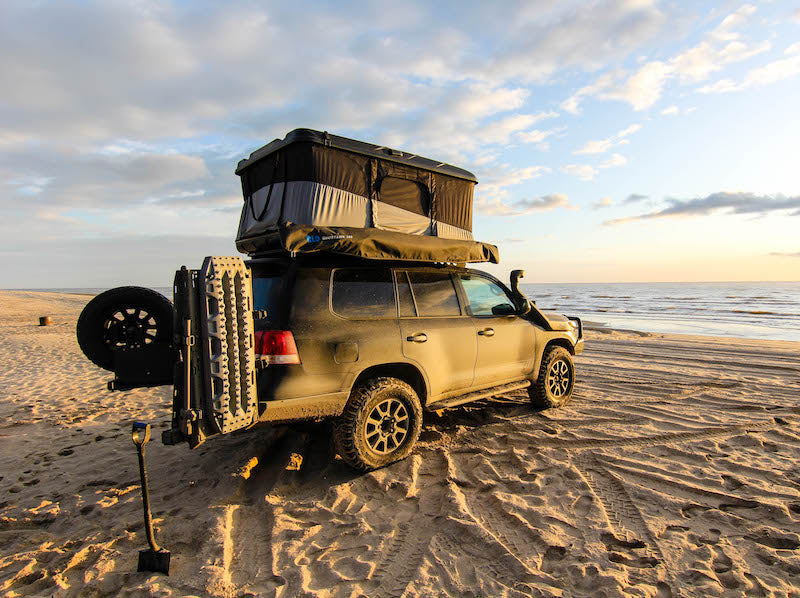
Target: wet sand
x=672, y=473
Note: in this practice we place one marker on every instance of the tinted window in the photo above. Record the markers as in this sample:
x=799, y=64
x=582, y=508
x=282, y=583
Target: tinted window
x=485, y=297
x=363, y=294
x=434, y=293
x=267, y=293
x=404, y=297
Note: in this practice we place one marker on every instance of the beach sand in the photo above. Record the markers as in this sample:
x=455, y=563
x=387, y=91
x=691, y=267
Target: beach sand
x=672, y=473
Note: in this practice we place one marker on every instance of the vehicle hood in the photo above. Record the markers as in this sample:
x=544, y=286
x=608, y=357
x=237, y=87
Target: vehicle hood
x=557, y=321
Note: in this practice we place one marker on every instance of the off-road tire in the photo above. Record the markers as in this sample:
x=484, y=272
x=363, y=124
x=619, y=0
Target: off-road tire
x=351, y=429
x=153, y=323
x=556, y=380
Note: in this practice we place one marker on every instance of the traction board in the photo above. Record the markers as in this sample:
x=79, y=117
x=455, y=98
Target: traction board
x=228, y=347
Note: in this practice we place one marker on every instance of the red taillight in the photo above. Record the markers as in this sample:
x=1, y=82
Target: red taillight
x=276, y=346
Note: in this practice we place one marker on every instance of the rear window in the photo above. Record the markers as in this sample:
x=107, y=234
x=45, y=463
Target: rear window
x=267, y=293
x=363, y=293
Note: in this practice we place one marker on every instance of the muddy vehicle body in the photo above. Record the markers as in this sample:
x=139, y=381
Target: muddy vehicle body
x=369, y=341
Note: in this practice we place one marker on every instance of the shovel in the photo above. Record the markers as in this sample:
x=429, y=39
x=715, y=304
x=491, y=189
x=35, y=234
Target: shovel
x=155, y=559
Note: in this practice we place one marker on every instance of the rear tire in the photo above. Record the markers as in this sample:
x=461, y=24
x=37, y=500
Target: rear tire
x=556, y=380
x=124, y=318
x=380, y=424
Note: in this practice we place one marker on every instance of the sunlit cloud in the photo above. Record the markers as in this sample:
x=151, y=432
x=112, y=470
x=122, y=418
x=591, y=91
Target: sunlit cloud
x=726, y=202
x=614, y=160
x=772, y=72
x=582, y=171
x=643, y=88
x=603, y=145
x=603, y=202
x=520, y=207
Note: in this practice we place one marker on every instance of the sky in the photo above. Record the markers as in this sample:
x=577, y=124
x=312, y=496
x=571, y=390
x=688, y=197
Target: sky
x=613, y=141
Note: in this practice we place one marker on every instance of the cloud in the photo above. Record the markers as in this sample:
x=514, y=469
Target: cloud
x=635, y=197
x=772, y=72
x=670, y=111
x=786, y=254
x=596, y=147
x=587, y=172
x=644, y=87
x=179, y=69
x=724, y=32
x=698, y=63
x=544, y=203
x=534, y=136
x=582, y=171
x=629, y=130
x=614, y=160
x=491, y=193
x=603, y=202
x=733, y=203
x=603, y=145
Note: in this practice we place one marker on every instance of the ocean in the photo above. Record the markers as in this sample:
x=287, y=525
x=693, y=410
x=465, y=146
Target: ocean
x=762, y=310
x=765, y=310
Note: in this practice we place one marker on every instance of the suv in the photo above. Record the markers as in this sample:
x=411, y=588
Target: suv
x=369, y=344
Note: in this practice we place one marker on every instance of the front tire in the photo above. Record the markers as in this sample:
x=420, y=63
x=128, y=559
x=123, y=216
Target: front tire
x=556, y=380
x=380, y=424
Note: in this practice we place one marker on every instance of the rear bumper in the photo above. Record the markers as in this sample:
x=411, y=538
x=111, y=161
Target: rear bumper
x=303, y=408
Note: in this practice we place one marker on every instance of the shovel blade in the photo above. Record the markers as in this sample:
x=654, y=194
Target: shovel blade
x=154, y=560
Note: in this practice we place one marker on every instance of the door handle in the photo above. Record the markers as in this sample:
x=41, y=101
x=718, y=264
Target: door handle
x=486, y=332
x=419, y=337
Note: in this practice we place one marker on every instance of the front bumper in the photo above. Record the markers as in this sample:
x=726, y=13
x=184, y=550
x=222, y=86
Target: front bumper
x=579, y=342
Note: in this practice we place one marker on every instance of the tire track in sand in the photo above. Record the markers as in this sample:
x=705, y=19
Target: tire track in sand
x=647, y=441
x=404, y=553
x=626, y=521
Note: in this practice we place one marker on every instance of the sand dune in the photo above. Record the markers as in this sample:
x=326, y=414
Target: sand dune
x=672, y=473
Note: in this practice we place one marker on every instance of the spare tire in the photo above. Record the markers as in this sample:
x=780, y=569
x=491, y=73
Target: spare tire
x=124, y=318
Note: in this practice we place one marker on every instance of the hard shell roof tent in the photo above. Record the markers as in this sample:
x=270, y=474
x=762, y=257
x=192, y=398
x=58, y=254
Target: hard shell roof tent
x=316, y=192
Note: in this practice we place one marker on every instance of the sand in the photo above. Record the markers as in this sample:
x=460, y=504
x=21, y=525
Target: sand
x=672, y=473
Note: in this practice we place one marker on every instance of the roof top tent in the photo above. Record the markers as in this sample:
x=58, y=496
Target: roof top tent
x=316, y=192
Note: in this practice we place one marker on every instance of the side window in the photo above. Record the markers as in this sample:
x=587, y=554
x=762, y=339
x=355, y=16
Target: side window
x=434, y=293
x=485, y=297
x=404, y=297
x=365, y=293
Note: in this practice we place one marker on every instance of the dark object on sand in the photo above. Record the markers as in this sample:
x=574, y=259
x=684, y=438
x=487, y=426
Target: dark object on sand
x=154, y=559
x=45, y=321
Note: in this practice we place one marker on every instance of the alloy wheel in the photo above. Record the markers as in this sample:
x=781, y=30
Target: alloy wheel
x=558, y=378
x=386, y=426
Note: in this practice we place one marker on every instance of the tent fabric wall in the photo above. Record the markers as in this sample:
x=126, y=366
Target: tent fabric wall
x=315, y=179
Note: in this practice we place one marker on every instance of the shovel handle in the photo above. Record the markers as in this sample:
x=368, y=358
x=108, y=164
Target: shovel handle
x=141, y=435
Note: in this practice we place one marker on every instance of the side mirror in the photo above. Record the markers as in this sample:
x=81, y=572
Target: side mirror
x=525, y=305
x=503, y=310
